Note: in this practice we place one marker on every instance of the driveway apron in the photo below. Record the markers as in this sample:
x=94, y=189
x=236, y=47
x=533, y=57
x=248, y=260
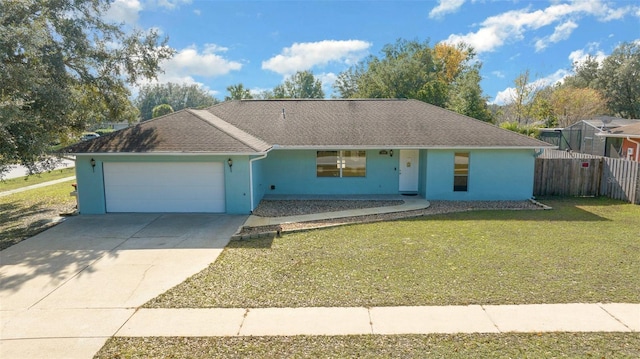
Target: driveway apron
x=64, y=292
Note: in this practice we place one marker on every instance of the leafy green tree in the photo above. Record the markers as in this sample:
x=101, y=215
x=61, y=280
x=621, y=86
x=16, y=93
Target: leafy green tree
x=238, y=92
x=585, y=74
x=161, y=110
x=467, y=99
x=178, y=96
x=441, y=76
x=300, y=85
x=62, y=67
x=618, y=80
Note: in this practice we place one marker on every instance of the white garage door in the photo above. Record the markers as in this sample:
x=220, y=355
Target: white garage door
x=164, y=187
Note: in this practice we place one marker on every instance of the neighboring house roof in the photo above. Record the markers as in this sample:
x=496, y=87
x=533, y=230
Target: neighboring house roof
x=250, y=126
x=605, y=122
x=632, y=131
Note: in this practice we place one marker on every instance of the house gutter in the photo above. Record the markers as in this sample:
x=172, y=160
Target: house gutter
x=251, y=160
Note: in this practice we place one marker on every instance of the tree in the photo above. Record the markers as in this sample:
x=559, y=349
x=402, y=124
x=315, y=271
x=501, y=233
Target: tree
x=467, y=99
x=238, y=92
x=442, y=76
x=300, y=85
x=522, y=97
x=62, y=67
x=571, y=104
x=178, y=96
x=161, y=110
x=618, y=80
x=585, y=74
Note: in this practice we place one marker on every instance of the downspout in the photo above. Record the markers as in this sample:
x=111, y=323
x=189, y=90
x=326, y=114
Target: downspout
x=637, y=147
x=251, y=160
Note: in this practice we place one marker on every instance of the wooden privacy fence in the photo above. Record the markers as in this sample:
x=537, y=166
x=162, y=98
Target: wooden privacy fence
x=558, y=173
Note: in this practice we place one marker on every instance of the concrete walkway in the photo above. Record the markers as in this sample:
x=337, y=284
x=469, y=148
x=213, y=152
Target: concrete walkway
x=574, y=317
x=410, y=203
x=39, y=185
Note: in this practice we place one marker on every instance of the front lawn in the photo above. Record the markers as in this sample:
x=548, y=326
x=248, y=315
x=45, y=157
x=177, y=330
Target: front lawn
x=508, y=345
x=584, y=250
x=27, y=213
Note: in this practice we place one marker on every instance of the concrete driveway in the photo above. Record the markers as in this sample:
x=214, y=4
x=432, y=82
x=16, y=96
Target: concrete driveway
x=64, y=292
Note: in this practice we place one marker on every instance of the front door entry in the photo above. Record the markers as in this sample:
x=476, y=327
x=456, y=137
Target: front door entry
x=408, y=171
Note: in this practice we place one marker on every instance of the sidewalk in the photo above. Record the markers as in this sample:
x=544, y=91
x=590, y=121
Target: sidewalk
x=575, y=317
x=39, y=185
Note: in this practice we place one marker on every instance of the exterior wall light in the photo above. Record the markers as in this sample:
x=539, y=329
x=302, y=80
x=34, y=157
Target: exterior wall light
x=390, y=153
x=93, y=164
x=230, y=163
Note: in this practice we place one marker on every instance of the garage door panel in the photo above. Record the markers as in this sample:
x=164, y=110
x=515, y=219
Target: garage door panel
x=164, y=187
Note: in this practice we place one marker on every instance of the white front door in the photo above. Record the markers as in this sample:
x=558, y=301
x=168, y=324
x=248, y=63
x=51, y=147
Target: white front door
x=408, y=171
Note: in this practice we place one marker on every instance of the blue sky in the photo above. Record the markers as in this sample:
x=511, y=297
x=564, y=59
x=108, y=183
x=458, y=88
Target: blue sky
x=259, y=43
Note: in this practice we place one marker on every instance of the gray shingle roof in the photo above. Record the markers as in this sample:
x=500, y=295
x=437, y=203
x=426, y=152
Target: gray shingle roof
x=253, y=126
x=181, y=131
x=364, y=123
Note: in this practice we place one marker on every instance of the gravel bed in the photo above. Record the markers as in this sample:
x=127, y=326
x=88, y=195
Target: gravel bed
x=282, y=208
x=436, y=207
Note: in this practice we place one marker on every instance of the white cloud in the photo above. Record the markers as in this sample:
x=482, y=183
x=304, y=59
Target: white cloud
x=303, y=56
x=126, y=11
x=197, y=12
x=498, y=74
x=191, y=62
x=580, y=56
x=562, y=32
x=445, y=7
x=507, y=95
x=496, y=31
x=167, y=4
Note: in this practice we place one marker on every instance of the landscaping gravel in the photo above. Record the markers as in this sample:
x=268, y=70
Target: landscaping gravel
x=281, y=208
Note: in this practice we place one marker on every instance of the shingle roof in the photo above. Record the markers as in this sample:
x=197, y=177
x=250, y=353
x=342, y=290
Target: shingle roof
x=632, y=130
x=252, y=126
x=365, y=123
x=181, y=131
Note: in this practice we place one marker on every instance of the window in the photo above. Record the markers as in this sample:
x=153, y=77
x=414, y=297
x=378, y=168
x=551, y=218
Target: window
x=461, y=172
x=341, y=163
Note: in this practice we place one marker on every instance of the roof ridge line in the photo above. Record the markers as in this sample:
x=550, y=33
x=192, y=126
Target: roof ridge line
x=246, y=138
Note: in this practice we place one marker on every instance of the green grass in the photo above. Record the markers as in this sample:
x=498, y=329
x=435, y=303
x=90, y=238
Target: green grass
x=585, y=250
x=27, y=213
x=19, y=182
x=508, y=345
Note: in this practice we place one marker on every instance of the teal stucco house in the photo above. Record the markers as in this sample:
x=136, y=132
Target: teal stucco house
x=226, y=158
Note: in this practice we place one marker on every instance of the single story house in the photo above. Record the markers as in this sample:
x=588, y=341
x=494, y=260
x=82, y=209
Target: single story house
x=227, y=157
x=630, y=136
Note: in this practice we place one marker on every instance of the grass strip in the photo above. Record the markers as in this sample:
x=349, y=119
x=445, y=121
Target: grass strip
x=585, y=250
x=509, y=345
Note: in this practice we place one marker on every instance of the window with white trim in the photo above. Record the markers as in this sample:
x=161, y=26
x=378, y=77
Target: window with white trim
x=348, y=163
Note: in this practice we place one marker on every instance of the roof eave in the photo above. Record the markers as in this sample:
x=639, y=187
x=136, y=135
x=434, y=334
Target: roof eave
x=406, y=147
x=618, y=135
x=169, y=153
